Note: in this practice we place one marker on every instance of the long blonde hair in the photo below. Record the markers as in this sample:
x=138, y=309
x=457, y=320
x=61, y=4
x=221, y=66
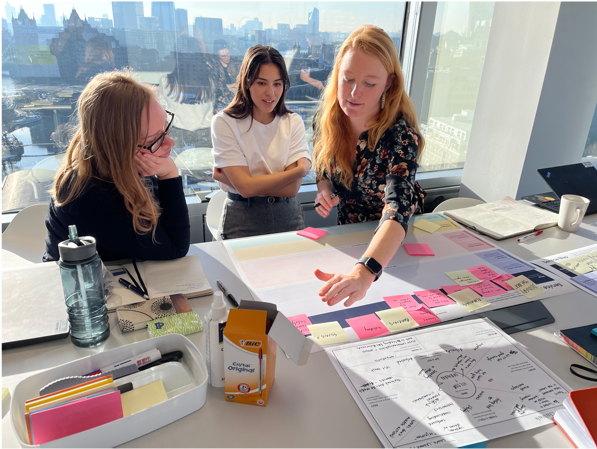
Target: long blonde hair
x=332, y=145
x=105, y=144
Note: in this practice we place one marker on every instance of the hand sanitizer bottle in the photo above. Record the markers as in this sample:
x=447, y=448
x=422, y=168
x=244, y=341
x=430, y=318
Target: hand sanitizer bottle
x=215, y=322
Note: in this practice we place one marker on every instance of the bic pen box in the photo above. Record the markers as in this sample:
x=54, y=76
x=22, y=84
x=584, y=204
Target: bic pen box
x=185, y=384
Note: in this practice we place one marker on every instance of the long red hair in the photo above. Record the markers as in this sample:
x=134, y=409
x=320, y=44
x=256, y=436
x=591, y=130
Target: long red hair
x=332, y=145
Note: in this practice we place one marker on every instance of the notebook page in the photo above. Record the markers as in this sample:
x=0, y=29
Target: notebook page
x=533, y=217
x=486, y=221
x=184, y=275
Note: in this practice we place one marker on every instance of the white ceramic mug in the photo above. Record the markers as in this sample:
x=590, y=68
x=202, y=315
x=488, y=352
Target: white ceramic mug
x=572, y=211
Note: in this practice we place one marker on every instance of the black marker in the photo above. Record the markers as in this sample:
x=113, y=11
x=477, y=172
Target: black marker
x=332, y=196
x=226, y=294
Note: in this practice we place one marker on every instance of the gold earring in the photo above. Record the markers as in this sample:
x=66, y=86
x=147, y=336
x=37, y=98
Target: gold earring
x=383, y=100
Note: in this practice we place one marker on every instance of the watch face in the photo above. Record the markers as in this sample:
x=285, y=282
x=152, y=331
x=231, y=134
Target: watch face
x=374, y=265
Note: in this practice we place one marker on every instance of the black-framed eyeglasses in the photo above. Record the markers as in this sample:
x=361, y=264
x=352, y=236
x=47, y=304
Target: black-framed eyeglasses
x=157, y=143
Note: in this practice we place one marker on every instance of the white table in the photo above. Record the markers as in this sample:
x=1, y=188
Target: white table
x=309, y=405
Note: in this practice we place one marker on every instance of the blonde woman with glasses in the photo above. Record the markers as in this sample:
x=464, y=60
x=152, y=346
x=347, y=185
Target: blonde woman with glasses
x=366, y=147
x=117, y=182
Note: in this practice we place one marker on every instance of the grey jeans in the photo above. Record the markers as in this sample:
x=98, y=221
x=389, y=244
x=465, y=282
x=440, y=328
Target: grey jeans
x=249, y=218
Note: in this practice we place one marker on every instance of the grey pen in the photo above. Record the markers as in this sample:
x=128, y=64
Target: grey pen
x=226, y=294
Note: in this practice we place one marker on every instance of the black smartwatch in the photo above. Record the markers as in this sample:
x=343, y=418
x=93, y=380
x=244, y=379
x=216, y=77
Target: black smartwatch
x=372, y=265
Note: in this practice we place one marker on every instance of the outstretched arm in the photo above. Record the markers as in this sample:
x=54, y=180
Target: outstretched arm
x=354, y=285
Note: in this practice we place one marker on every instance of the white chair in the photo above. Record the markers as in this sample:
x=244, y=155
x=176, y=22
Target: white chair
x=457, y=203
x=25, y=234
x=214, y=212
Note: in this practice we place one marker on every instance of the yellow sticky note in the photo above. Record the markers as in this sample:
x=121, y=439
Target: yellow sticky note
x=525, y=286
x=463, y=277
x=397, y=319
x=426, y=226
x=327, y=333
x=468, y=299
x=584, y=264
x=143, y=397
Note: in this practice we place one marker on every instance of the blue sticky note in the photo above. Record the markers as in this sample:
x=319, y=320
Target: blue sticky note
x=481, y=445
x=594, y=332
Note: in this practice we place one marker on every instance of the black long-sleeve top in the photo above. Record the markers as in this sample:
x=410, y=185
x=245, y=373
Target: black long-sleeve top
x=100, y=212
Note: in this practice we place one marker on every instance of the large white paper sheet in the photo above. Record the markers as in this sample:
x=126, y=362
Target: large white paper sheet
x=279, y=269
x=578, y=266
x=448, y=386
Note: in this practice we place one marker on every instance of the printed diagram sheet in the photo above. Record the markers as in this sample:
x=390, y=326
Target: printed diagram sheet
x=421, y=290
x=451, y=386
x=578, y=266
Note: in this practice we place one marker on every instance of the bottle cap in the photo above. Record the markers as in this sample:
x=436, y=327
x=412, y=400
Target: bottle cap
x=218, y=306
x=77, y=249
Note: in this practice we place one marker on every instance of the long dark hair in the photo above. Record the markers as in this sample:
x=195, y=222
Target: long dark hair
x=242, y=104
x=193, y=80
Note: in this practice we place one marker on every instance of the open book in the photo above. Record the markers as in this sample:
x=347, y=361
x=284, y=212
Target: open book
x=504, y=218
x=163, y=278
x=578, y=418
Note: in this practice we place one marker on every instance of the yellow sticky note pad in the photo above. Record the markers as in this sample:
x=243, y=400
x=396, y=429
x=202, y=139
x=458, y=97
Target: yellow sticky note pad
x=327, y=333
x=468, y=299
x=525, y=286
x=143, y=397
x=463, y=277
x=427, y=226
x=397, y=319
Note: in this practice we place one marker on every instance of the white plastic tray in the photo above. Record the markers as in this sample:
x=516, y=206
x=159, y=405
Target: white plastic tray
x=185, y=384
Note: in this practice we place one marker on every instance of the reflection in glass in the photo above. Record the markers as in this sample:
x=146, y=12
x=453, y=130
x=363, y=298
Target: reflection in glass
x=190, y=52
x=458, y=49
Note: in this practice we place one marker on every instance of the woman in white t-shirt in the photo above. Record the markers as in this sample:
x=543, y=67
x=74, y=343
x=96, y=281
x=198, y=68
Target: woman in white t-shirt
x=260, y=151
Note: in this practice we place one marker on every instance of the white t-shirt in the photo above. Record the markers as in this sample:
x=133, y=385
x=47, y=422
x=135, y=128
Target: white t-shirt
x=264, y=149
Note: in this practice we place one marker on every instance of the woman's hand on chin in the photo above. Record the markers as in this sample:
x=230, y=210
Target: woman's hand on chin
x=149, y=165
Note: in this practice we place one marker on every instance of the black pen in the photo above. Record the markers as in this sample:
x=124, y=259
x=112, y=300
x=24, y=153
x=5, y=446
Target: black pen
x=226, y=294
x=332, y=196
x=126, y=284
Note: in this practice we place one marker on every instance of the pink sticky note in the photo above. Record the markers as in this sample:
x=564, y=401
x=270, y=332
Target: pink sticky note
x=501, y=280
x=312, y=233
x=486, y=289
x=74, y=417
x=301, y=322
x=433, y=298
x=406, y=301
x=484, y=273
x=423, y=316
x=418, y=249
x=449, y=289
x=468, y=241
x=367, y=326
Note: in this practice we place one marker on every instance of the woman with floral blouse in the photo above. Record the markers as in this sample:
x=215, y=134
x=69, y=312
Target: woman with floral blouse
x=366, y=147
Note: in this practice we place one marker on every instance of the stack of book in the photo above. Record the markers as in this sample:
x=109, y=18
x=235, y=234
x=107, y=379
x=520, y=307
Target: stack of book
x=583, y=341
x=578, y=418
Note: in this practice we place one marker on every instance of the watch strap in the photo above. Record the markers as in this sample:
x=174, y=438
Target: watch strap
x=372, y=265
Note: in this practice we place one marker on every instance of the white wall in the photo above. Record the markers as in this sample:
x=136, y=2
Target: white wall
x=537, y=97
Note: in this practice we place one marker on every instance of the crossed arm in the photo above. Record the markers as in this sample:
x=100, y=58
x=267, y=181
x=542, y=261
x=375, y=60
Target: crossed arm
x=283, y=184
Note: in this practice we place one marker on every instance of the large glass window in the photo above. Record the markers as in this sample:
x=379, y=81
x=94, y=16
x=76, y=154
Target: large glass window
x=458, y=48
x=190, y=52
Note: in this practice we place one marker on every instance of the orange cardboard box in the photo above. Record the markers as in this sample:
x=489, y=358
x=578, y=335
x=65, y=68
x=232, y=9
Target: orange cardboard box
x=251, y=339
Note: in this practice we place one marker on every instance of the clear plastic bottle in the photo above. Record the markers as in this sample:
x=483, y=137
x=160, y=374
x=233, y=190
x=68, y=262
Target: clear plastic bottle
x=83, y=285
x=215, y=322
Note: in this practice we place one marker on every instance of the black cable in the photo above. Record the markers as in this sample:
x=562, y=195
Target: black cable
x=584, y=368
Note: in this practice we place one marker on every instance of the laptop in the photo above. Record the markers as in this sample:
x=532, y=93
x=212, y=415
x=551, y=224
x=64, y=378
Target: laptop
x=574, y=179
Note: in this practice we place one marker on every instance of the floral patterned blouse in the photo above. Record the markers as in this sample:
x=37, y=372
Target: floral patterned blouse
x=384, y=186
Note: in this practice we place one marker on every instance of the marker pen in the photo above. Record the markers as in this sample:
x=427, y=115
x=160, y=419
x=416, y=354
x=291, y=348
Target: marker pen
x=529, y=236
x=139, y=360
